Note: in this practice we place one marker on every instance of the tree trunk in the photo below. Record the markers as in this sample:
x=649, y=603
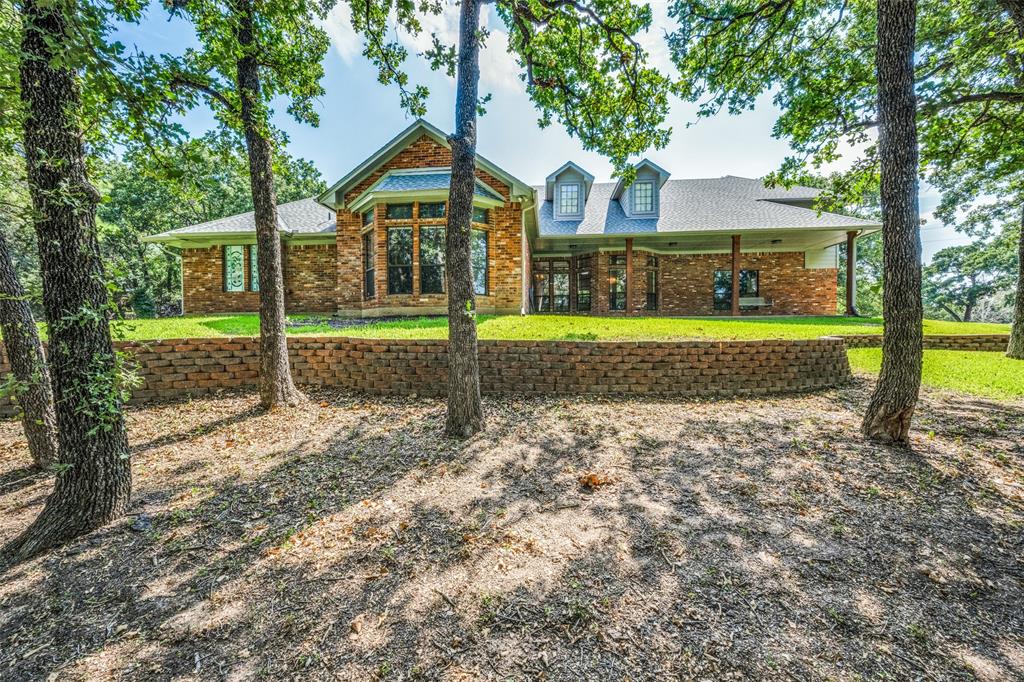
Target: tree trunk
x=276, y=385
x=28, y=365
x=969, y=312
x=1015, y=349
x=465, y=411
x=93, y=482
x=892, y=404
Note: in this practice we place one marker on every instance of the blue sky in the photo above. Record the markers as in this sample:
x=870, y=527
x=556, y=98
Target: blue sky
x=358, y=115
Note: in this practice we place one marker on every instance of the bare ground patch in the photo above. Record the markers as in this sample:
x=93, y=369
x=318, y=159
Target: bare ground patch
x=576, y=539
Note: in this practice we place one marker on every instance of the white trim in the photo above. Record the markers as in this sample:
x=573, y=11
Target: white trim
x=391, y=149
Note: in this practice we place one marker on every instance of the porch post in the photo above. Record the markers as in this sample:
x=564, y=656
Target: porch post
x=851, y=273
x=629, y=275
x=735, y=274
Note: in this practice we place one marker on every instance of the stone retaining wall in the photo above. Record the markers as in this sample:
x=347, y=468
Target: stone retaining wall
x=414, y=367
x=982, y=342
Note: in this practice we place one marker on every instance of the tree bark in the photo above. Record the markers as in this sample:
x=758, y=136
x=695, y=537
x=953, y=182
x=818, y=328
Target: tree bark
x=276, y=385
x=892, y=404
x=28, y=364
x=1015, y=349
x=465, y=411
x=93, y=483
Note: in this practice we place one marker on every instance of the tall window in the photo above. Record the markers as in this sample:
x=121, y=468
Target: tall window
x=560, y=286
x=254, y=268
x=367, y=216
x=583, y=266
x=399, y=260
x=478, y=260
x=652, y=283
x=541, y=287
x=616, y=283
x=723, y=287
x=643, y=196
x=234, y=268
x=569, y=198
x=369, y=266
x=431, y=259
x=480, y=215
x=399, y=212
x=432, y=210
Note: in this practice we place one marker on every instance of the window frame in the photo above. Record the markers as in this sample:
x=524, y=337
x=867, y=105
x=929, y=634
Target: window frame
x=254, y=267
x=422, y=204
x=719, y=303
x=388, y=207
x=653, y=203
x=394, y=267
x=486, y=261
x=559, y=199
x=372, y=213
x=617, y=269
x=369, y=265
x=425, y=266
x=226, y=268
x=584, y=266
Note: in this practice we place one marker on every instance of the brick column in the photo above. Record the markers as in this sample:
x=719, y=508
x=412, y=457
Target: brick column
x=735, y=274
x=629, y=276
x=851, y=273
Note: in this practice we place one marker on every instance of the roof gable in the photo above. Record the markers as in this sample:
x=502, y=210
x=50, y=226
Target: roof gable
x=573, y=169
x=334, y=197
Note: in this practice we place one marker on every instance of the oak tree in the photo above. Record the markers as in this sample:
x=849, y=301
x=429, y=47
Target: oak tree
x=59, y=42
x=817, y=57
x=583, y=67
x=251, y=52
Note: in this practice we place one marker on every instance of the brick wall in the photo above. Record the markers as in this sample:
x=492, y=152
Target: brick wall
x=974, y=342
x=309, y=275
x=504, y=257
x=405, y=367
x=686, y=284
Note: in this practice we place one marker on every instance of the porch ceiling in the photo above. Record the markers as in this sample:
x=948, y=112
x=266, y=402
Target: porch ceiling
x=782, y=240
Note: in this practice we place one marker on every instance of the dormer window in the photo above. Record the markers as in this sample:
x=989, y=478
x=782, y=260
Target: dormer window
x=568, y=189
x=643, y=196
x=569, y=198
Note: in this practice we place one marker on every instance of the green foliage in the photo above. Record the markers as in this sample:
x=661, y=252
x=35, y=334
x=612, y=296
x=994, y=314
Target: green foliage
x=288, y=44
x=960, y=277
x=818, y=59
x=109, y=386
x=159, y=188
x=580, y=61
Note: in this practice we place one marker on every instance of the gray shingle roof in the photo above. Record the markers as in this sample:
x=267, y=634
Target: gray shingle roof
x=304, y=216
x=412, y=182
x=701, y=205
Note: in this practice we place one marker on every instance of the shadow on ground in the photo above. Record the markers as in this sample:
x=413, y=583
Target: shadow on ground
x=575, y=539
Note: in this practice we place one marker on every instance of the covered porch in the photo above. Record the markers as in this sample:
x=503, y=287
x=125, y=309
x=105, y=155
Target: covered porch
x=780, y=272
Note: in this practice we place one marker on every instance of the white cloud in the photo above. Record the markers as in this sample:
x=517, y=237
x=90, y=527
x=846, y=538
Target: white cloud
x=339, y=29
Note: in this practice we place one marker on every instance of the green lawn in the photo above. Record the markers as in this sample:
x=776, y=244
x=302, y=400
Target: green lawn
x=579, y=328
x=991, y=375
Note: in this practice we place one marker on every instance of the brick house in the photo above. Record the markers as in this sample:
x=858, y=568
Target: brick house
x=373, y=244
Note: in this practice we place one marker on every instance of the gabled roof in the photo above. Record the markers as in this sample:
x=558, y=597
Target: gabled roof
x=662, y=174
x=302, y=217
x=702, y=205
x=549, y=182
x=418, y=184
x=334, y=196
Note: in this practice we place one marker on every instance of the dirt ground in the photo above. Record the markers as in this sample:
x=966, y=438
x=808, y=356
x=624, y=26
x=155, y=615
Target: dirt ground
x=576, y=539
